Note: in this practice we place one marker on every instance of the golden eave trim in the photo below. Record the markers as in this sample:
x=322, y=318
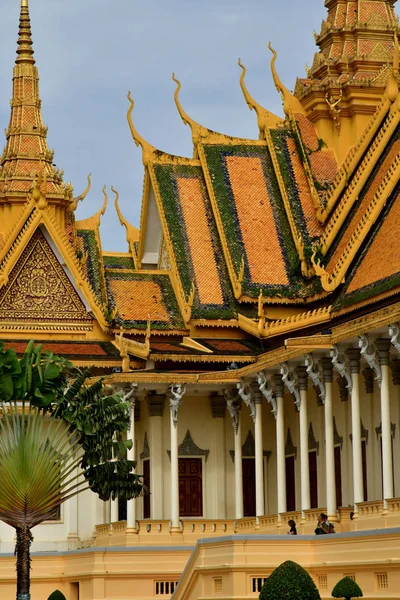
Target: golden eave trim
x=330, y=281
x=265, y=329
x=201, y=359
x=350, y=163
x=93, y=222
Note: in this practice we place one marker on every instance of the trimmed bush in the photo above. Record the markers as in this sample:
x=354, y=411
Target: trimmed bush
x=57, y=595
x=289, y=581
x=347, y=588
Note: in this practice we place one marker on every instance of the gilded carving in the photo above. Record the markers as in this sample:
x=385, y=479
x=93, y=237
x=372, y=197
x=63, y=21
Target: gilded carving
x=39, y=289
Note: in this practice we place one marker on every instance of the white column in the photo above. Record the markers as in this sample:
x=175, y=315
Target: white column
x=73, y=534
x=258, y=451
x=387, y=458
x=218, y=409
x=354, y=360
x=114, y=509
x=302, y=377
x=238, y=469
x=131, y=507
x=280, y=446
x=177, y=393
x=155, y=406
x=329, y=441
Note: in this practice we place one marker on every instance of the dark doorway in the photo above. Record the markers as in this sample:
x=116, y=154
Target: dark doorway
x=338, y=476
x=249, y=487
x=312, y=463
x=190, y=487
x=290, y=484
x=146, y=481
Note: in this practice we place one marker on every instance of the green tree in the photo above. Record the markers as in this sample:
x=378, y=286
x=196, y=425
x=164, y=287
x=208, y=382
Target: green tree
x=289, y=581
x=347, y=588
x=53, y=424
x=57, y=595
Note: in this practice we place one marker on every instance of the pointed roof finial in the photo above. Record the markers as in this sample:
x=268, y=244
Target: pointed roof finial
x=265, y=118
x=290, y=102
x=25, y=50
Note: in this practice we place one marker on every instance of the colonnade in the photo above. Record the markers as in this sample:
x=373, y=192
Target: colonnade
x=295, y=376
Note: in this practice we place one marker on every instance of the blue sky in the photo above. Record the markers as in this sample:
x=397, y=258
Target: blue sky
x=91, y=52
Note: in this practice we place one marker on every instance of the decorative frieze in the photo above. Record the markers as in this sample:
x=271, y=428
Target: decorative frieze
x=189, y=448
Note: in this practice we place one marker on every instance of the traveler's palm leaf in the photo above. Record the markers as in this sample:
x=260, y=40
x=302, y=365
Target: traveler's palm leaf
x=38, y=460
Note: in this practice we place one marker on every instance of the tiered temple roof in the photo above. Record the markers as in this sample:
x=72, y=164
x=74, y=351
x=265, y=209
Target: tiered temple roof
x=248, y=243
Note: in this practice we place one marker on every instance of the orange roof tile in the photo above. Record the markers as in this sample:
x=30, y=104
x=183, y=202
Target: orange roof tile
x=314, y=227
x=383, y=257
x=136, y=300
x=198, y=232
x=257, y=223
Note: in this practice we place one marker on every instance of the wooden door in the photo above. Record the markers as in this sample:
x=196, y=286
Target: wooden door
x=338, y=476
x=290, y=484
x=146, y=481
x=190, y=487
x=364, y=469
x=312, y=463
x=249, y=487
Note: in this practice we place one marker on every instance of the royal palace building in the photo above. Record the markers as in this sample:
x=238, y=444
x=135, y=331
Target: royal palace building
x=254, y=322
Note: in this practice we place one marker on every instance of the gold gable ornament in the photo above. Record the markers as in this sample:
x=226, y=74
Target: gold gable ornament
x=40, y=293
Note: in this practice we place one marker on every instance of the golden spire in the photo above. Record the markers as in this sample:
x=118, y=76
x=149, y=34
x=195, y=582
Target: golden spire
x=25, y=50
x=290, y=103
x=265, y=118
x=26, y=152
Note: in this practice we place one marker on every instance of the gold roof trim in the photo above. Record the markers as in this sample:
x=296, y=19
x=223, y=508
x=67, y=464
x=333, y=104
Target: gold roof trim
x=94, y=221
x=75, y=201
x=127, y=347
x=132, y=233
x=148, y=150
x=330, y=281
x=265, y=119
x=290, y=102
x=264, y=329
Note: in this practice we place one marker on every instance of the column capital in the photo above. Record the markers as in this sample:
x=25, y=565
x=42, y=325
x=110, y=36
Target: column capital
x=218, y=406
x=155, y=405
x=256, y=392
x=278, y=384
x=383, y=347
x=327, y=369
x=368, y=380
x=354, y=356
x=302, y=377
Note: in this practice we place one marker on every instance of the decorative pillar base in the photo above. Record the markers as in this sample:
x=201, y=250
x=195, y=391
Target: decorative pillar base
x=257, y=525
x=73, y=541
x=131, y=536
x=175, y=530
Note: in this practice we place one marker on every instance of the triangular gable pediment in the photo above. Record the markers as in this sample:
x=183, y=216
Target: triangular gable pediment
x=39, y=292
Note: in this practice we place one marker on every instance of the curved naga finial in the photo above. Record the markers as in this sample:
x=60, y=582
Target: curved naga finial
x=370, y=353
x=290, y=380
x=290, y=103
x=75, y=201
x=132, y=233
x=265, y=119
x=339, y=363
x=198, y=131
x=147, y=149
x=314, y=372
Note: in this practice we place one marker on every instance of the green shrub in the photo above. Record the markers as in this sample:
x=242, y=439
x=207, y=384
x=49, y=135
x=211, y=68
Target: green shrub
x=347, y=588
x=57, y=595
x=289, y=581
